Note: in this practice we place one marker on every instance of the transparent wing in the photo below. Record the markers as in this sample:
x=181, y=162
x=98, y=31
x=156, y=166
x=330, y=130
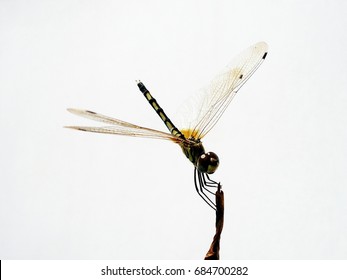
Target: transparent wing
x=120, y=127
x=209, y=105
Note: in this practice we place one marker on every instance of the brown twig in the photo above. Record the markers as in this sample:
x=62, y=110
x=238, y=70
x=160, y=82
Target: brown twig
x=213, y=252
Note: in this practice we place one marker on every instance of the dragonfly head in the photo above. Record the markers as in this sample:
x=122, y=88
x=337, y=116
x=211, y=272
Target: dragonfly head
x=208, y=163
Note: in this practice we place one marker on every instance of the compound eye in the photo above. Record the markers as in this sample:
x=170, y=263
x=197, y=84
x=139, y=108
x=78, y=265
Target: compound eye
x=208, y=163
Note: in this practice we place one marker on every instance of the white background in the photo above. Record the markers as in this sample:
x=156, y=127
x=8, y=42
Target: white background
x=282, y=142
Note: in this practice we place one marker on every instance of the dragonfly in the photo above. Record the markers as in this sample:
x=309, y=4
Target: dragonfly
x=209, y=107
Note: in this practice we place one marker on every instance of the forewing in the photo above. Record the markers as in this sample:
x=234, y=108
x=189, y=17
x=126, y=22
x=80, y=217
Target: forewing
x=120, y=127
x=214, y=99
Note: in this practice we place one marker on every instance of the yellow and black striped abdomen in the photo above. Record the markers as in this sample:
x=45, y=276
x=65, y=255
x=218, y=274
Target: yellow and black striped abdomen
x=172, y=128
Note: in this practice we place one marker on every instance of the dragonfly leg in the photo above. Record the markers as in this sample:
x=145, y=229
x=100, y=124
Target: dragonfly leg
x=210, y=183
x=200, y=187
x=205, y=184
